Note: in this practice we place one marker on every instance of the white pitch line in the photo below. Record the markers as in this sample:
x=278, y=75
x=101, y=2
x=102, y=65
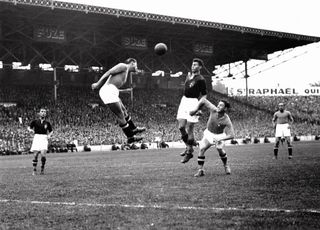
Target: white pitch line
x=177, y=207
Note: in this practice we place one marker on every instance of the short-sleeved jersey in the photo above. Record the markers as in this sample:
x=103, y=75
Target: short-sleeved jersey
x=195, y=86
x=41, y=127
x=282, y=117
x=217, y=124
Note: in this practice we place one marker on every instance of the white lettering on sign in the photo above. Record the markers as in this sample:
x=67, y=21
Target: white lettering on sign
x=134, y=42
x=274, y=91
x=49, y=33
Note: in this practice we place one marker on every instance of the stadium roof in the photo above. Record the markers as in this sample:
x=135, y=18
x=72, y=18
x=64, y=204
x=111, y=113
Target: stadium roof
x=47, y=31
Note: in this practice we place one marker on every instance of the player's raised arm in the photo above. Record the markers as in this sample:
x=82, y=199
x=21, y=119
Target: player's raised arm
x=206, y=103
x=203, y=102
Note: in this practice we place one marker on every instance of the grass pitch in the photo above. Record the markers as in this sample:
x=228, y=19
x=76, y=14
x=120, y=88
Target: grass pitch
x=151, y=189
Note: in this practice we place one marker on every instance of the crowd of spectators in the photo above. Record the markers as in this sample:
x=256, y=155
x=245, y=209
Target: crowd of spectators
x=304, y=108
x=78, y=114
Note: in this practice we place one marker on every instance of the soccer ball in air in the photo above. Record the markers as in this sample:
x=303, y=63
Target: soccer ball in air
x=160, y=49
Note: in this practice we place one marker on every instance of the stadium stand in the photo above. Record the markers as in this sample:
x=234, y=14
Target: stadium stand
x=78, y=115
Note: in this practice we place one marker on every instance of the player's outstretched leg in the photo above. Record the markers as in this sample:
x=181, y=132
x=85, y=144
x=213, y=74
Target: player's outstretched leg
x=128, y=119
x=119, y=110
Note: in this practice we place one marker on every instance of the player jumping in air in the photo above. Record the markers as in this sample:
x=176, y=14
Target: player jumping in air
x=108, y=86
x=194, y=89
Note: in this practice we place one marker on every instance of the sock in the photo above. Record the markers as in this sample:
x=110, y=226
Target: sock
x=201, y=160
x=185, y=138
x=191, y=141
x=127, y=130
x=34, y=163
x=223, y=156
x=275, y=151
x=184, y=134
x=43, y=162
x=130, y=122
x=290, y=150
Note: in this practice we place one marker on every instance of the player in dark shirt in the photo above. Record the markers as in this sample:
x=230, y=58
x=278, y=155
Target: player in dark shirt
x=42, y=130
x=194, y=89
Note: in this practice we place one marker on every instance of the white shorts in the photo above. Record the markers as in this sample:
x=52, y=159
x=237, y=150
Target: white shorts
x=211, y=138
x=40, y=142
x=283, y=130
x=187, y=105
x=109, y=93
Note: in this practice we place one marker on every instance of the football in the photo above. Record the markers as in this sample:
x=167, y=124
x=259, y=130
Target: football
x=160, y=49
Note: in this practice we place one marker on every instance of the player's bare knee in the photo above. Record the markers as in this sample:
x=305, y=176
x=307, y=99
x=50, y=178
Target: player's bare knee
x=203, y=146
x=201, y=152
x=43, y=153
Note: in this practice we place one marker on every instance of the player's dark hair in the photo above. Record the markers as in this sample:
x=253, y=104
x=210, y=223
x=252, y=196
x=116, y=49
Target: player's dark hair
x=226, y=104
x=129, y=60
x=199, y=61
